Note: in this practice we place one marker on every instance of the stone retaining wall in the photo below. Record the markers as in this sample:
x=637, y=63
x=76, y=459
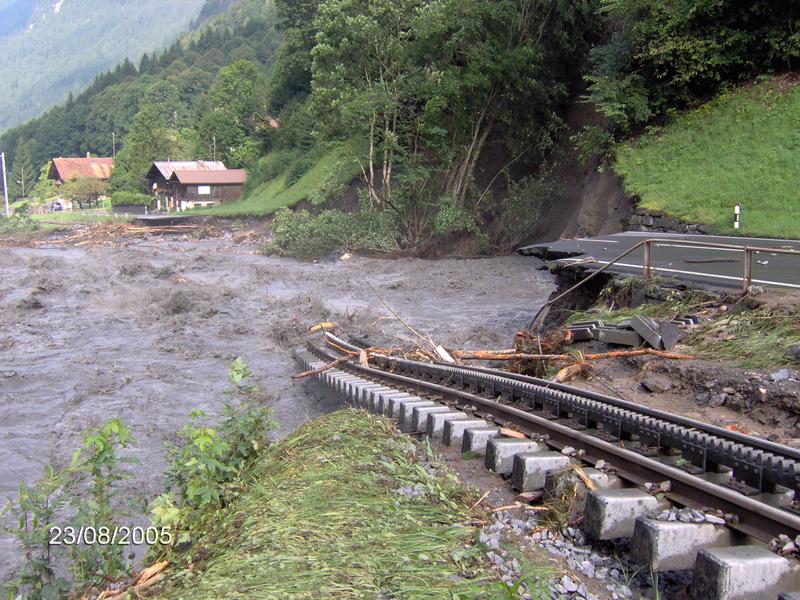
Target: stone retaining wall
x=644, y=220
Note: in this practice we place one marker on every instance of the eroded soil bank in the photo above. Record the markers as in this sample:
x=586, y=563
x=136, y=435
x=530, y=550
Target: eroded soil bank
x=145, y=332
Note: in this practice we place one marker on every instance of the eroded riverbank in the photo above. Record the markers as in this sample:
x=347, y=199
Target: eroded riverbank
x=146, y=332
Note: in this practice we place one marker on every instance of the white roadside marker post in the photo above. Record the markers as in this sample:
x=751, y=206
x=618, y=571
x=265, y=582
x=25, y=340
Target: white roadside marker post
x=5, y=185
x=737, y=216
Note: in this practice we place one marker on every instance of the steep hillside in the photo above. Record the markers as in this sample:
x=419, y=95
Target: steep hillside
x=50, y=48
x=741, y=148
x=435, y=120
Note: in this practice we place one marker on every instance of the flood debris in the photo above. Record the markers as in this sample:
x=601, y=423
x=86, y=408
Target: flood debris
x=636, y=331
x=148, y=577
x=110, y=233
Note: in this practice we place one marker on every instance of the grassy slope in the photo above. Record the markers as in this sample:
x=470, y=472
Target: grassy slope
x=277, y=193
x=320, y=518
x=741, y=147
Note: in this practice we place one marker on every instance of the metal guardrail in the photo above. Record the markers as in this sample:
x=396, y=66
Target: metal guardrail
x=648, y=269
x=747, y=277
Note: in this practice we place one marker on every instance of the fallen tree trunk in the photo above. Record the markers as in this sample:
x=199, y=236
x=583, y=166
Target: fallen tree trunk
x=489, y=355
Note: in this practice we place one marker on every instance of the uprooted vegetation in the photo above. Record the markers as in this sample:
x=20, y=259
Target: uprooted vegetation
x=343, y=504
x=753, y=332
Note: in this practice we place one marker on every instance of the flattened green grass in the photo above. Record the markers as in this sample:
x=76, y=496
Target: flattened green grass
x=755, y=339
x=750, y=339
x=336, y=165
x=321, y=519
x=741, y=148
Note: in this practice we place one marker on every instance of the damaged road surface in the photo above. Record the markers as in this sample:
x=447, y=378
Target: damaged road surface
x=145, y=333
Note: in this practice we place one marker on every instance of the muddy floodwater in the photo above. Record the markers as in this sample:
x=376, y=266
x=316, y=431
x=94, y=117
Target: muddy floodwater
x=146, y=332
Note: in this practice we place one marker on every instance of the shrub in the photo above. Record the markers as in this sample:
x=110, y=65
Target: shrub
x=208, y=460
x=519, y=216
x=18, y=224
x=36, y=509
x=306, y=235
x=123, y=198
x=97, y=465
x=79, y=496
x=452, y=217
x=298, y=168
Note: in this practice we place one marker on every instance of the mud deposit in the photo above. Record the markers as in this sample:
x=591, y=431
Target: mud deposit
x=146, y=333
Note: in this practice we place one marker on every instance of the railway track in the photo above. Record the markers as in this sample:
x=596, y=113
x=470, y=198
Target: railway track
x=751, y=480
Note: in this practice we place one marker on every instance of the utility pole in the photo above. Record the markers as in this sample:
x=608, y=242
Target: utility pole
x=114, y=144
x=22, y=182
x=214, y=153
x=5, y=183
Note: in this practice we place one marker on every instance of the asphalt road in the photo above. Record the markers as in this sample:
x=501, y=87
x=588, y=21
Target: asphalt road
x=716, y=267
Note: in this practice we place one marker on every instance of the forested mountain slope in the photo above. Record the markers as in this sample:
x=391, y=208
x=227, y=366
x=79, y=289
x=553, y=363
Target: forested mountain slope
x=167, y=101
x=49, y=48
x=426, y=119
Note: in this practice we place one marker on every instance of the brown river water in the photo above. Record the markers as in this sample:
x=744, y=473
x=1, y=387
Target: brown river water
x=146, y=332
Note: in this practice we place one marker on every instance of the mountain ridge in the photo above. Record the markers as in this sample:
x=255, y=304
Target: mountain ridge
x=62, y=45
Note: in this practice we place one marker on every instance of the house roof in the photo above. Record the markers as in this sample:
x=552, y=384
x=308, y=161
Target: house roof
x=81, y=168
x=226, y=177
x=168, y=167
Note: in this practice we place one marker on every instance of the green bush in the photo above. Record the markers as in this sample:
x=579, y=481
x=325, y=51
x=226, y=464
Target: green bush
x=79, y=496
x=298, y=168
x=122, y=198
x=209, y=459
x=17, y=224
x=306, y=235
x=519, y=216
x=36, y=509
x=269, y=167
x=452, y=217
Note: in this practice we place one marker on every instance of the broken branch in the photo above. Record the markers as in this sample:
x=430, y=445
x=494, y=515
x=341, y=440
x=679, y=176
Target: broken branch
x=322, y=369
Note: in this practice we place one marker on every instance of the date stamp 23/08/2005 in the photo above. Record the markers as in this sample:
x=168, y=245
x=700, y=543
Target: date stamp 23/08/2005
x=110, y=536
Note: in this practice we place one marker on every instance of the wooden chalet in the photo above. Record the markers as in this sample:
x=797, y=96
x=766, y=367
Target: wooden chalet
x=191, y=189
x=160, y=172
x=178, y=194
x=65, y=169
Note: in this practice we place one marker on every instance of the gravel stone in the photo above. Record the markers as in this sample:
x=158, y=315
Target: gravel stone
x=569, y=584
x=781, y=375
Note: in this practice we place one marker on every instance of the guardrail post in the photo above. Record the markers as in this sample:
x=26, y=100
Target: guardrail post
x=647, y=266
x=748, y=269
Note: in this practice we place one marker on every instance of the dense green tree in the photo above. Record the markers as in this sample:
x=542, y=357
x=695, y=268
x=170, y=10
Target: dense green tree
x=291, y=78
x=162, y=99
x=239, y=92
x=84, y=191
x=219, y=136
x=151, y=138
x=662, y=54
x=23, y=173
x=365, y=81
x=427, y=84
x=503, y=66
x=111, y=111
x=45, y=188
